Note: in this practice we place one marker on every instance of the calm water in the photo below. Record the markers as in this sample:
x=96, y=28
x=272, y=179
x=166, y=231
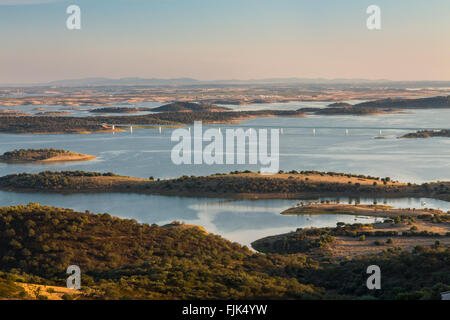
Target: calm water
x=242, y=221
x=146, y=153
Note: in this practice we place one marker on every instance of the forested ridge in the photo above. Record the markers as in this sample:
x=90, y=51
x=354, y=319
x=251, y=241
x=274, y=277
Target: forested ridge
x=123, y=259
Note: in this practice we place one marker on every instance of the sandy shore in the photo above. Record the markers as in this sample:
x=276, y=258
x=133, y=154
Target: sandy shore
x=70, y=157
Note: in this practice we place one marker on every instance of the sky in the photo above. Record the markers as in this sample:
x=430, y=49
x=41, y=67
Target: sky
x=224, y=39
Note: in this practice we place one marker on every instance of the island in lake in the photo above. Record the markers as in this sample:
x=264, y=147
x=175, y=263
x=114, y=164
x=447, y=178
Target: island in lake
x=189, y=107
x=43, y=155
x=119, y=110
x=422, y=134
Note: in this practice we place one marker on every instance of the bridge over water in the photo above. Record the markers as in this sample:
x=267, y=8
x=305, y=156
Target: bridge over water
x=314, y=130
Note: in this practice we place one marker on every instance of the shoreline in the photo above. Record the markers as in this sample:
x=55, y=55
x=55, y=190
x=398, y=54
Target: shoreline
x=69, y=158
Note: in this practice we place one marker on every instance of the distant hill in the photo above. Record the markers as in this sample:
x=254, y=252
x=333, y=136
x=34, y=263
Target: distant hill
x=421, y=103
x=122, y=82
x=135, y=81
x=188, y=107
x=380, y=106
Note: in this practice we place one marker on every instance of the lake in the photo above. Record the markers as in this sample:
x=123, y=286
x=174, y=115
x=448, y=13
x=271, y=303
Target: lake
x=146, y=153
x=241, y=221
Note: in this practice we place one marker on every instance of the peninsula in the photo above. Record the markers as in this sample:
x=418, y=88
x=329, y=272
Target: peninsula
x=347, y=109
x=403, y=229
x=357, y=209
x=439, y=102
x=240, y=185
x=381, y=106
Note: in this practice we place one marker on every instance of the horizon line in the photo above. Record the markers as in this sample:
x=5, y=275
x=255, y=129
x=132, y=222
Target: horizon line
x=247, y=80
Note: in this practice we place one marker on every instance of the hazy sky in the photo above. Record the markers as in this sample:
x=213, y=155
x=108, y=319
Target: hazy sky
x=224, y=39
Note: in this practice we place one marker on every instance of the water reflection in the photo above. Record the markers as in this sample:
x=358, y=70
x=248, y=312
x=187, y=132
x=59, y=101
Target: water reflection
x=242, y=221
